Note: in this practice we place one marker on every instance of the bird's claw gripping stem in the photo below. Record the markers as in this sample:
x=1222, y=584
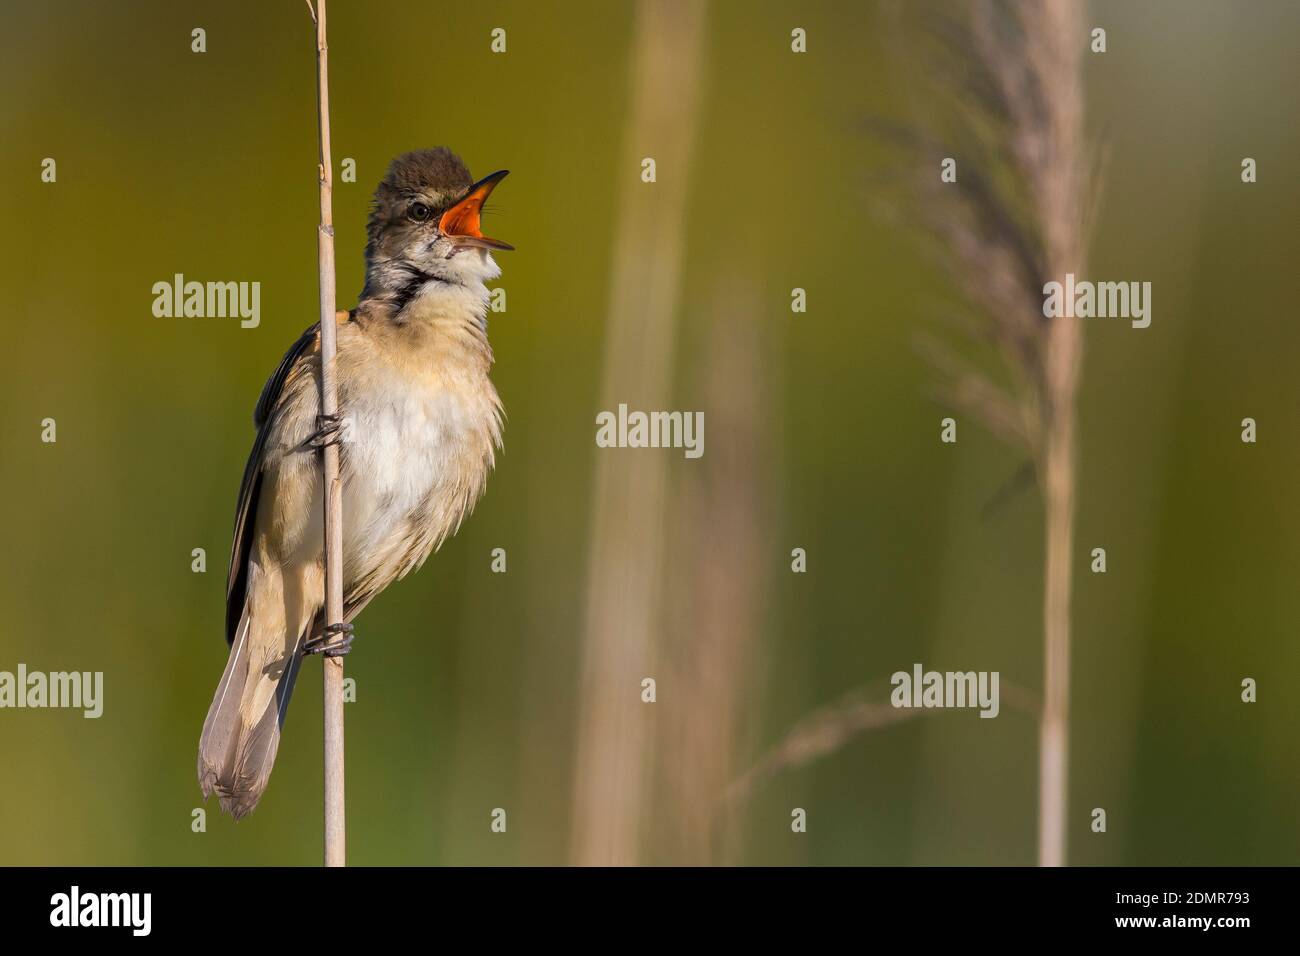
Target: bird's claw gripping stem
x=324, y=643
x=328, y=428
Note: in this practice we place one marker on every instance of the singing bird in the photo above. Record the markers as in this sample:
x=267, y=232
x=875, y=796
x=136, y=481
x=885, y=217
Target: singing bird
x=418, y=428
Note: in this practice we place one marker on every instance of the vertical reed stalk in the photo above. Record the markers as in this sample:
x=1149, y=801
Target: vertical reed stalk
x=1053, y=741
x=1003, y=88
x=1015, y=220
x=335, y=824
x=720, y=580
x=626, y=555
x=1057, y=29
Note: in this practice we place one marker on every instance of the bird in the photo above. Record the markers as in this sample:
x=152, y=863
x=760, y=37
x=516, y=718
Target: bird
x=419, y=425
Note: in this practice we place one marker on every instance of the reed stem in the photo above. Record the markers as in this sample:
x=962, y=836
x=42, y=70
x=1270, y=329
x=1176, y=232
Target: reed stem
x=335, y=823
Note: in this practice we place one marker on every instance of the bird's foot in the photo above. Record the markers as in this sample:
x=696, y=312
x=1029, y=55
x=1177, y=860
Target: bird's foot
x=328, y=431
x=325, y=643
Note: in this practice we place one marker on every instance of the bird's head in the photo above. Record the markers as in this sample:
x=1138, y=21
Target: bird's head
x=425, y=219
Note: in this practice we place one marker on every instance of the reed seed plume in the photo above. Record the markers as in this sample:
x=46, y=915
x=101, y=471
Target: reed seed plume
x=1006, y=100
x=996, y=85
x=999, y=90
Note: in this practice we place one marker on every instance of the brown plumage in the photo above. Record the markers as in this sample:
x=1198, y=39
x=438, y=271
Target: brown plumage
x=421, y=422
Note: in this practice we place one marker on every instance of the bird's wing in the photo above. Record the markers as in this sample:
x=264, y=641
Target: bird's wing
x=250, y=488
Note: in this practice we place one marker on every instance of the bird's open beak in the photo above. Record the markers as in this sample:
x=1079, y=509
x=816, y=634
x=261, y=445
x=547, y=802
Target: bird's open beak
x=461, y=222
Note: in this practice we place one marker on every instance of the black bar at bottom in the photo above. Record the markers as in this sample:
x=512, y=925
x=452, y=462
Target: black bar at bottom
x=212, y=905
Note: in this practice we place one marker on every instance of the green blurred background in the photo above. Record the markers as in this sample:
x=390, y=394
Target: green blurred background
x=468, y=682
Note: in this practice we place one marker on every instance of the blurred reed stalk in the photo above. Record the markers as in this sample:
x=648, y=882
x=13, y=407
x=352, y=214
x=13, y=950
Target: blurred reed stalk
x=626, y=553
x=335, y=823
x=1015, y=219
x=1004, y=96
x=723, y=536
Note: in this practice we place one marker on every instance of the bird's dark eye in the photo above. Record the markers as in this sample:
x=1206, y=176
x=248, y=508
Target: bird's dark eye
x=419, y=212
